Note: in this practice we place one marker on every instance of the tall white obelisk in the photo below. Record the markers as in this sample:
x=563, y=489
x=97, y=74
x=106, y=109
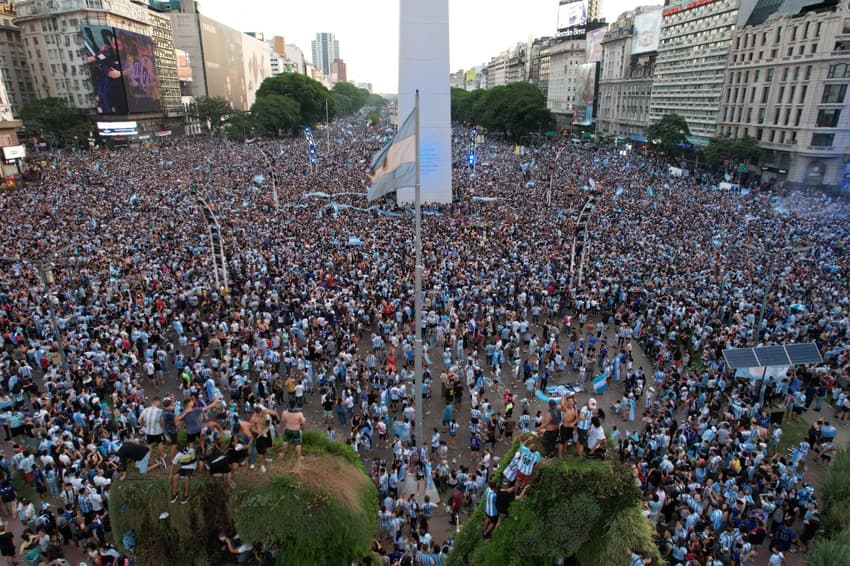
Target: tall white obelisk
x=423, y=64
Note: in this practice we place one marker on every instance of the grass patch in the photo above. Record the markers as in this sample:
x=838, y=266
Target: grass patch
x=793, y=433
x=570, y=504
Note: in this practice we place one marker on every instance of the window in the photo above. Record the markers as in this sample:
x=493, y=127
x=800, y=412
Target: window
x=803, y=90
x=761, y=115
x=822, y=140
x=772, y=136
x=839, y=71
x=773, y=53
x=776, y=115
x=769, y=76
x=756, y=76
x=764, y=38
x=794, y=33
x=785, y=74
x=790, y=51
x=749, y=115
x=814, y=48
x=806, y=31
x=808, y=72
x=828, y=118
x=759, y=133
x=833, y=94
x=796, y=73
x=778, y=35
x=787, y=116
x=799, y=115
x=764, y=94
x=781, y=95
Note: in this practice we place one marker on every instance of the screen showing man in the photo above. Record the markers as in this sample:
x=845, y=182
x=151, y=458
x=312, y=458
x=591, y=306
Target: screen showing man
x=107, y=75
x=139, y=69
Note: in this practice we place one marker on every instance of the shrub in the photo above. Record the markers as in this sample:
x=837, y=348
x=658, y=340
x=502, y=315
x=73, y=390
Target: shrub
x=569, y=506
x=830, y=551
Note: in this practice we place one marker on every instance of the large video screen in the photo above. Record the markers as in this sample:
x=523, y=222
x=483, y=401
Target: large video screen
x=141, y=84
x=223, y=62
x=184, y=65
x=585, y=94
x=105, y=64
x=572, y=18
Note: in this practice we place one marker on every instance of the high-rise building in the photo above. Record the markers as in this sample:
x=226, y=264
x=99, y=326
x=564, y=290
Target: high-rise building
x=166, y=63
x=508, y=67
x=15, y=72
x=786, y=86
x=625, y=85
x=594, y=10
x=691, y=64
x=338, y=71
x=325, y=50
x=564, y=56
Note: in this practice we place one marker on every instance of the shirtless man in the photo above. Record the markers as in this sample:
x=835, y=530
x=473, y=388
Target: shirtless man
x=569, y=418
x=261, y=430
x=293, y=423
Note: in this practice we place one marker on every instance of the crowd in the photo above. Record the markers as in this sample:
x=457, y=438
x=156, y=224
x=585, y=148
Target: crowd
x=161, y=365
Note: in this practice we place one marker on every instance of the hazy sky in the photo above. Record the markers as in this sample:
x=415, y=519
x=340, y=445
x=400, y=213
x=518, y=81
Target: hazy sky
x=367, y=30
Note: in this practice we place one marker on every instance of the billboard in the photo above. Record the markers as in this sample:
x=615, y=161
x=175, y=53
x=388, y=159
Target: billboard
x=223, y=62
x=256, y=64
x=109, y=129
x=184, y=66
x=594, y=44
x=585, y=94
x=101, y=52
x=141, y=85
x=13, y=152
x=647, y=28
x=572, y=18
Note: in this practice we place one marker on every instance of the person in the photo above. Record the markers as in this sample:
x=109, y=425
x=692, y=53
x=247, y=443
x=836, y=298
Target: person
x=293, y=424
x=8, y=497
x=549, y=429
x=135, y=452
x=7, y=544
x=585, y=415
x=242, y=551
x=186, y=462
x=491, y=509
x=569, y=418
x=596, y=441
x=151, y=422
x=260, y=423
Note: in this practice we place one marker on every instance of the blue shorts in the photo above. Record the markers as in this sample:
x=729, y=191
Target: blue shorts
x=142, y=464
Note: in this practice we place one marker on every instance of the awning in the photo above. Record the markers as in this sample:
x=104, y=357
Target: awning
x=637, y=138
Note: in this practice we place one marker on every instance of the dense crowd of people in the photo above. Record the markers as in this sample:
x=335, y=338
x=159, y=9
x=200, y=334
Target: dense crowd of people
x=108, y=254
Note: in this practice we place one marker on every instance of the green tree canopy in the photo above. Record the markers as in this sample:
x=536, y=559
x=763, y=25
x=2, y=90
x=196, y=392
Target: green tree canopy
x=53, y=118
x=349, y=98
x=310, y=95
x=211, y=111
x=241, y=125
x=275, y=114
x=668, y=133
x=736, y=151
x=515, y=109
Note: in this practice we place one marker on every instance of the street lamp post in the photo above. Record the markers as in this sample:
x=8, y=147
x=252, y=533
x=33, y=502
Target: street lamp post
x=552, y=175
x=274, y=180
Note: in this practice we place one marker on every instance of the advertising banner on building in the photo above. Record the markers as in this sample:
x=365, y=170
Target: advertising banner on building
x=256, y=65
x=585, y=94
x=141, y=84
x=647, y=28
x=184, y=66
x=101, y=52
x=594, y=44
x=223, y=62
x=572, y=18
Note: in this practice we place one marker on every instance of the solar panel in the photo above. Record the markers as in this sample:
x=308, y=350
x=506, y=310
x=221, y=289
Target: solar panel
x=772, y=356
x=740, y=358
x=807, y=353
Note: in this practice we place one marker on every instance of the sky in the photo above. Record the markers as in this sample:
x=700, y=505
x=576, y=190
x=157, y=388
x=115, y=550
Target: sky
x=367, y=30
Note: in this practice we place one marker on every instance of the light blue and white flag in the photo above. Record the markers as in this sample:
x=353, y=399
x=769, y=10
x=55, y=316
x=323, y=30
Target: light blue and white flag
x=600, y=383
x=394, y=167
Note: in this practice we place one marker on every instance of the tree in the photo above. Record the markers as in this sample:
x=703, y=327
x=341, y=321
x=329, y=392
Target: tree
x=212, y=111
x=738, y=151
x=240, y=126
x=515, y=109
x=349, y=98
x=54, y=119
x=310, y=95
x=276, y=113
x=669, y=133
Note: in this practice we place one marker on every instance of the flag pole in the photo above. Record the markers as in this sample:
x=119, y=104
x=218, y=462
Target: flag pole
x=417, y=364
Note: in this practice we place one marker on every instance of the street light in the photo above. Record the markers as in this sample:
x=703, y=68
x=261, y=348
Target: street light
x=274, y=181
x=552, y=174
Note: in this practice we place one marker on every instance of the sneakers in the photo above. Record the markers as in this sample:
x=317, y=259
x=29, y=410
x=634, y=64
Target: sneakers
x=269, y=459
x=251, y=467
x=262, y=469
x=174, y=499
x=184, y=501
x=162, y=462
